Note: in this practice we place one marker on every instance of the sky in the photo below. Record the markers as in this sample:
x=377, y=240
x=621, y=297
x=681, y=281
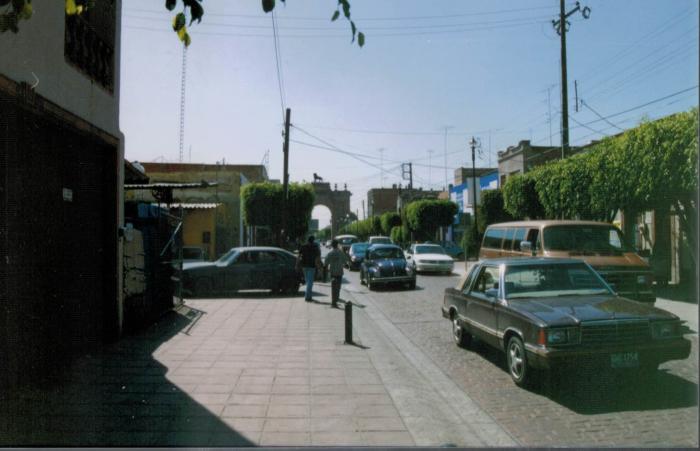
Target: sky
x=431, y=75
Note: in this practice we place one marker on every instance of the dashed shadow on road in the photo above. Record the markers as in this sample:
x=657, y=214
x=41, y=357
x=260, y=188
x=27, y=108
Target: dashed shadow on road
x=590, y=391
x=119, y=396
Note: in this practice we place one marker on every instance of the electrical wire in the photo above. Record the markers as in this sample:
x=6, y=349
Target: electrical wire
x=278, y=57
x=599, y=115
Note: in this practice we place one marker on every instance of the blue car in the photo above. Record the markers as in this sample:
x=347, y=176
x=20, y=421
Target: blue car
x=385, y=264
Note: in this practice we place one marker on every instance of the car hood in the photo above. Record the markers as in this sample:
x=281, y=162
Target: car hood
x=441, y=257
x=197, y=265
x=397, y=263
x=576, y=309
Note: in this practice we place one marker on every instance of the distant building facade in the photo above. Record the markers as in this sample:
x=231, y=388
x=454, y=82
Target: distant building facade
x=523, y=157
x=382, y=200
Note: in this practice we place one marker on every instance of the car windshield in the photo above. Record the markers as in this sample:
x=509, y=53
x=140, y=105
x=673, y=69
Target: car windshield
x=228, y=257
x=429, y=249
x=585, y=239
x=548, y=280
x=359, y=248
x=385, y=252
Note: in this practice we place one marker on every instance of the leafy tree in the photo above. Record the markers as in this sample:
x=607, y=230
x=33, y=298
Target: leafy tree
x=22, y=10
x=424, y=217
x=491, y=209
x=520, y=197
x=263, y=203
x=389, y=220
x=400, y=235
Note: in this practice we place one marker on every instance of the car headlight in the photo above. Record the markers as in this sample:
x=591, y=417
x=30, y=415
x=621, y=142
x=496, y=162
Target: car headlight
x=664, y=329
x=563, y=336
x=373, y=269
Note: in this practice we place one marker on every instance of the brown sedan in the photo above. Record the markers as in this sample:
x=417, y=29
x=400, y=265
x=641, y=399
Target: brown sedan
x=549, y=313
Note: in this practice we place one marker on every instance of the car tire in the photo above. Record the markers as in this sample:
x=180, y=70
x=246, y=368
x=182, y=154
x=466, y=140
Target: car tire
x=202, y=287
x=462, y=338
x=516, y=359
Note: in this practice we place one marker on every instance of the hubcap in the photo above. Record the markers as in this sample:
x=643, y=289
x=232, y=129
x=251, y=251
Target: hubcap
x=516, y=360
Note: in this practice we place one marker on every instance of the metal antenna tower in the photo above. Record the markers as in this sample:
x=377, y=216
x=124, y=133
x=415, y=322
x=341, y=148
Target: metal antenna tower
x=183, y=83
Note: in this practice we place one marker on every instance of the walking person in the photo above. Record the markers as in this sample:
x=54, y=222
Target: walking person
x=309, y=260
x=335, y=260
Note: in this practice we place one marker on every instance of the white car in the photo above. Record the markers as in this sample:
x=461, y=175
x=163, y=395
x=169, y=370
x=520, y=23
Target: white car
x=429, y=258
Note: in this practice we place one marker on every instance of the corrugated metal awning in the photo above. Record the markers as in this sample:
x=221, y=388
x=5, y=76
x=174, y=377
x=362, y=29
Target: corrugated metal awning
x=190, y=205
x=163, y=185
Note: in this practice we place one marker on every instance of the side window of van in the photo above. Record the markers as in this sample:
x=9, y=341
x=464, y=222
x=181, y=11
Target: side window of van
x=493, y=238
x=519, y=236
x=508, y=242
x=533, y=236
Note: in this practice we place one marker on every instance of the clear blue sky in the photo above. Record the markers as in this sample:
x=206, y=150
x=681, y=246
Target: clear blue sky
x=484, y=67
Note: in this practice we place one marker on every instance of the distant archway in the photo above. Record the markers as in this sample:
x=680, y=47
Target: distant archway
x=337, y=201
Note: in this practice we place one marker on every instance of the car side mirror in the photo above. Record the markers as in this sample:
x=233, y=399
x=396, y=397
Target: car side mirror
x=526, y=246
x=492, y=293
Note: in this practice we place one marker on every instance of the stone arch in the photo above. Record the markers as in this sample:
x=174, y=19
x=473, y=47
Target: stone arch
x=337, y=201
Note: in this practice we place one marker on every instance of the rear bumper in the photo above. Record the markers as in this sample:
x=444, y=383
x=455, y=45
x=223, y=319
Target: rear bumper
x=651, y=353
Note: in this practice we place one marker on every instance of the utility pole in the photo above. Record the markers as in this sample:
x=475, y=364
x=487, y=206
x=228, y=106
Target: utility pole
x=562, y=26
x=285, y=179
x=473, y=144
x=363, y=210
x=447, y=127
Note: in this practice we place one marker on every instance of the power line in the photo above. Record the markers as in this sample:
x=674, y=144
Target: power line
x=599, y=115
x=278, y=57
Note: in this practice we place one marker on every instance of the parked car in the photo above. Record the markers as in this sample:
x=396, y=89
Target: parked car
x=380, y=240
x=243, y=268
x=599, y=244
x=549, y=314
x=357, y=255
x=345, y=241
x=429, y=258
x=453, y=250
x=385, y=264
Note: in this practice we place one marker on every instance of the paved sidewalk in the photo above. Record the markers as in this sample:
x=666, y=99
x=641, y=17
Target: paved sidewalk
x=248, y=371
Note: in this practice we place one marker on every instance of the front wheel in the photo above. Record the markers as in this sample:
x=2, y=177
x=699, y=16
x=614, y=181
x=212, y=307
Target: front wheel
x=462, y=338
x=517, y=362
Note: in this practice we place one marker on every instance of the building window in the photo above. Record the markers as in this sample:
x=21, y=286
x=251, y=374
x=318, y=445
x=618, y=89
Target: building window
x=89, y=42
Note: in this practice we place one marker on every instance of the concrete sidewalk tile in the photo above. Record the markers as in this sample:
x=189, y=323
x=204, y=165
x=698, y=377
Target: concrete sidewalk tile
x=255, y=380
x=330, y=424
x=336, y=438
x=214, y=388
x=288, y=411
x=291, y=380
x=389, y=438
x=237, y=398
x=375, y=411
x=367, y=389
x=290, y=400
x=381, y=399
x=326, y=372
x=210, y=398
x=288, y=389
x=286, y=425
x=292, y=372
x=240, y=424
x=380, y=424
x=253, y=389
x=252, y=371
x=293, y=364
x=327, y=380
x=333, y=398
x=332, y=410
x=245, y=410
x=270, y=438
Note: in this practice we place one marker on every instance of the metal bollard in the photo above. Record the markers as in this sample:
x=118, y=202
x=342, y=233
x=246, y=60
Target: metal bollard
x=348, y=322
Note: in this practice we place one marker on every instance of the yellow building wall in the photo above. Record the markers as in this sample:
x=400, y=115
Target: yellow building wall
x=195, y=223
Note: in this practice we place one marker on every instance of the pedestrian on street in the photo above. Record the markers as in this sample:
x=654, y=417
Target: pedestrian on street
x=309, y=260
x=335, y=261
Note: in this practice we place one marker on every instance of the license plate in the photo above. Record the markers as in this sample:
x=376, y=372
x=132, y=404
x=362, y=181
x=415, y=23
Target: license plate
x=624, y=360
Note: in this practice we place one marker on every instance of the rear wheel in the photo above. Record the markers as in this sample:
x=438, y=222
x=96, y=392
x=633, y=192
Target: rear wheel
x=517, y=362
x=461, y=336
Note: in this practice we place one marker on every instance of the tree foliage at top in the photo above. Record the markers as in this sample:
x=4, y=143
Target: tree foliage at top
x=520, y=198
x=389, y=220
x=263, y=206
x=424, y=217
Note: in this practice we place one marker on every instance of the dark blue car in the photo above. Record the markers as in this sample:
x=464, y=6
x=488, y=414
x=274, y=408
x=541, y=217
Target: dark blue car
x=385, y=264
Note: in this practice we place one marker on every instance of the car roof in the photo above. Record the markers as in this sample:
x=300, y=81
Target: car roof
x=548, y=222
x=384, y=246
x=345, y=236
x=520, y=261
x=259, y=248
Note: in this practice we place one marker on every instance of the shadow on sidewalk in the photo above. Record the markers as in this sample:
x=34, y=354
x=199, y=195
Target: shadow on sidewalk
x=117, y=397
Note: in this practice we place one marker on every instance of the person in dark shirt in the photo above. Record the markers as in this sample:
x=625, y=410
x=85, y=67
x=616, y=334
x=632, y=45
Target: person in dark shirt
x=309, y=260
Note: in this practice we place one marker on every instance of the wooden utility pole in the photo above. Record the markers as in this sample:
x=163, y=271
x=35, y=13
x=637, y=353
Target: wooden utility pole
x=562, y=26
x=285, y=181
